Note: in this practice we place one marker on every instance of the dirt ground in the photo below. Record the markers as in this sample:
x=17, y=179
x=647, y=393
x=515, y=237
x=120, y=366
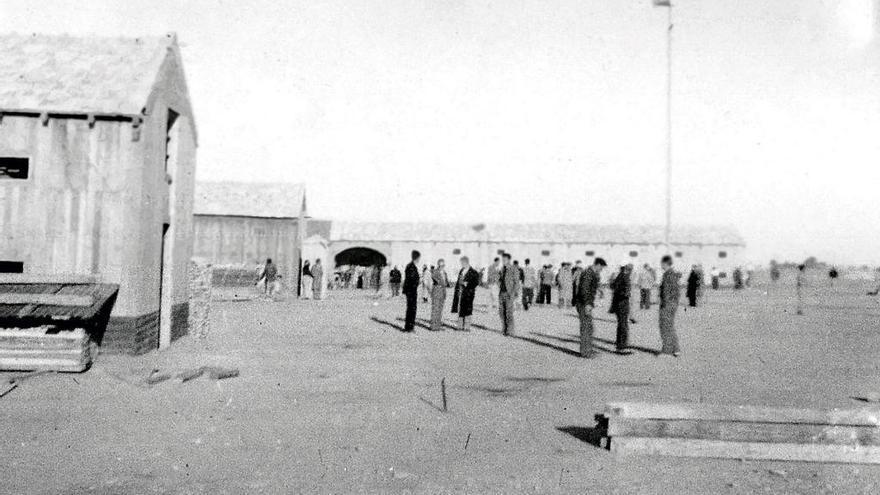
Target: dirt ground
x=333, y=398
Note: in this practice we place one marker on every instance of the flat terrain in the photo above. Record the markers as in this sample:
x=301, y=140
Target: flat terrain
x=333, y=398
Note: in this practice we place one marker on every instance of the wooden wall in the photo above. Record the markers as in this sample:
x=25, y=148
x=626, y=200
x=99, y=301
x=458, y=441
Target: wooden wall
x=223, y=240
x=95, y=200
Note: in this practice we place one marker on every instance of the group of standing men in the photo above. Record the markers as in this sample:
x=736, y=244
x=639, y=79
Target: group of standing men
x=508, y=283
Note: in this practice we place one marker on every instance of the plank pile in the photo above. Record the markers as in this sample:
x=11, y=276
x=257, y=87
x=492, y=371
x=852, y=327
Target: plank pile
x=744, y=432
x=44, y=348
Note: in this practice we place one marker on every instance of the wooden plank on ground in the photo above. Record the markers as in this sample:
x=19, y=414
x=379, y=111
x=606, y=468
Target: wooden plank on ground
x=864, y=416
x=744, y=432
x=46, y=299
x=684, y=447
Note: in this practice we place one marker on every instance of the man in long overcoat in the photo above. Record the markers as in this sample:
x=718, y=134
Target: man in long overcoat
x=465, y=290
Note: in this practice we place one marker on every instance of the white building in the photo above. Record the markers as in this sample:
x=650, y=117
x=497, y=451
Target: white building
x=376, y=242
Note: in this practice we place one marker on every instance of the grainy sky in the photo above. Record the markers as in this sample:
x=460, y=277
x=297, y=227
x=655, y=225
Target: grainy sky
x=541, y=110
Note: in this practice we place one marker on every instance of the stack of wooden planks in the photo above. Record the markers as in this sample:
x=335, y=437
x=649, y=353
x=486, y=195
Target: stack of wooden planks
x=744, y=432
x=52, y=326
x=44, y=348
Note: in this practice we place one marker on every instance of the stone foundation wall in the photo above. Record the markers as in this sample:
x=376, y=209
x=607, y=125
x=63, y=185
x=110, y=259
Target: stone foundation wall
x=200, y=281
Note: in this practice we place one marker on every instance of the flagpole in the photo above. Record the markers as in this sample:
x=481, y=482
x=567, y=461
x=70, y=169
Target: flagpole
x=668, y=230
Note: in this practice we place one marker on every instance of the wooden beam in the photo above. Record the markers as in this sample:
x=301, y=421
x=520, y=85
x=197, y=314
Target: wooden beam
x=865, y=416
x=46, y=299
x=684, y=447
x=744, y=432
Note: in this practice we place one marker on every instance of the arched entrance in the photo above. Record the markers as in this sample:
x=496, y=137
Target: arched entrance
x=360, y=256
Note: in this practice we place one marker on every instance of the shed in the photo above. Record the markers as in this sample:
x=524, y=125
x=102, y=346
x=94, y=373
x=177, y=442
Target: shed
x=240, y=224
x=97, y=166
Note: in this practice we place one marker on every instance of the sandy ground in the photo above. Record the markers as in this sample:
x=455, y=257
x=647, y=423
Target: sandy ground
x=332, y=398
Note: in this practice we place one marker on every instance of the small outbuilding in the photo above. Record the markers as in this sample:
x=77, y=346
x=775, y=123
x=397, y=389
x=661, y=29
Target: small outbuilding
x=97, y=166
x=240, y=224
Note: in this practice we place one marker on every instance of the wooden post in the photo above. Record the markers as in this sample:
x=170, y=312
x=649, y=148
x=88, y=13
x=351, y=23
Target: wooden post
x=443, y=392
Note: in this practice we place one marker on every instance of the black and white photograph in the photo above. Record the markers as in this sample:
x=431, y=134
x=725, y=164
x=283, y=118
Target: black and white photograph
x=439, y=247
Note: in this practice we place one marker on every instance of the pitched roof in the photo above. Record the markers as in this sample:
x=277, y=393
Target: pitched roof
x=569, y=233
x=250, y=199
x=76, y=75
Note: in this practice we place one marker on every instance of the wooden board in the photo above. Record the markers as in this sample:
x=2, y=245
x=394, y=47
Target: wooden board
x=865, y=416
x=683, y=447
x=46, y=299
x=744, y=432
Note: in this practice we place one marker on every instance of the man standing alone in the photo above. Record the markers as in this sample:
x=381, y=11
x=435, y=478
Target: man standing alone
x=411, y=291
x=508, y=290
x=588, y=287
x=670, y=293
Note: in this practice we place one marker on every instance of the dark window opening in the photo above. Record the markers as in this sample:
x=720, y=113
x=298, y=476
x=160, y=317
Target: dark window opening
x=722, y=254
x=545, y=253
x=590, y=253
x=14, y=167
x=11, y=267
x=633, y=254
x=679, y=254
x=456, y=251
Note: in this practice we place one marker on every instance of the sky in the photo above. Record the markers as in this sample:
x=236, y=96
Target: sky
x=535, y=110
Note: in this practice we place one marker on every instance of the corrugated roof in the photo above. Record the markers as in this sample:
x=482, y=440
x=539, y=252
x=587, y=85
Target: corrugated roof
x=250, y=199
x=76, y=75
x=569, y=233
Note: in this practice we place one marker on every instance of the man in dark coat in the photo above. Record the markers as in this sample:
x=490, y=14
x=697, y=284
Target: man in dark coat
x=693, y=286
x=620, y=305
x=465, y=290
x=411, y=291
x=588, y=287
x=509, y=289
x=670, y=293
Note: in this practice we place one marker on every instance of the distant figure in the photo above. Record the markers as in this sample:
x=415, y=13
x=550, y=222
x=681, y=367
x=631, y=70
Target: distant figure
x=585, y=302
x=465, y=291
x=547, y=279
x=565, y=284
x=492, y=279
x=376, y=279
x=522, y=277
x=670, y=293
x=774, y=272
x=801, y=283
x=394, y=280
x=620, y=305
x=269, y=276
x=438, y=295
x=833, y=274
x=737, y=278
x=318, y=276
x=701, y=284
x=716, y=278
x=575, y=276
x=411, y=291
x=509, y=289
x=646, y=282
x=693, y=286
x=426, y=283
x=530, y=280
x=307, y=280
